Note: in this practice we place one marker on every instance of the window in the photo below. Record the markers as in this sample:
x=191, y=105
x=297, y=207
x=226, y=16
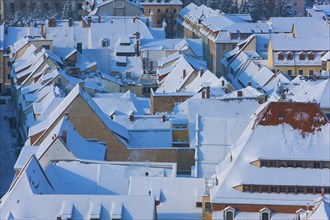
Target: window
x=233, y=46
x=280, y=56
x=311, y=72
x=229, y=215
x=282, y=189
x=207, y=207
x=79, y=6
x=309, y=190
x=8, y=76
x=281, y=164
x=300, y=189
x=159, y=22
x=289, y=56
x=299, y=164
x=302, y=56
x=12, y=6
x=325, y=164
x=301, y=72
x=158, y=10
x=264, y=163
x=295, y=3
x=166, y=10
x=265, y=216
x=121, y=64
x=290, y=164
x=290, y=189
x=317, y=165
x=8, y=64
x=272, y=163
x=224, y=47
x=273, y=189
x=150, y=10
x=174, y=10
x=310, y=56
x=47, y=47
x=290, y=72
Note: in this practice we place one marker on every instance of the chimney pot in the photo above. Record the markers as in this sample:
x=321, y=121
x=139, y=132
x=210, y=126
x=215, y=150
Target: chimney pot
x=258, y=88
x=249, y=83
x=239, y=93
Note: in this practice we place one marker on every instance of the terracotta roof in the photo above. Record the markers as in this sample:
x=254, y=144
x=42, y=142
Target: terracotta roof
x=307, y=117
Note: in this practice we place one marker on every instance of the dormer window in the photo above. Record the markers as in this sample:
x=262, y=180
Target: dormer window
x=311, y=56
x=264, y=214
x=289, y=56
x=105, y=42
x=302, y=56
x=280, y=56
x=229, y=213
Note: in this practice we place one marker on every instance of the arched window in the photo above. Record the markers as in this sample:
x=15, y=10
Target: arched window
x=229, y=213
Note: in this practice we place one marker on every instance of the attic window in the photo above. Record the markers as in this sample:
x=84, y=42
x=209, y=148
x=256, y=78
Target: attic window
x=289, y=56
x=280, y=56
x=302, y=56
x=229, y=213
x=281, y=117
x=105, y=42
x=264, y=216
x=310, y=56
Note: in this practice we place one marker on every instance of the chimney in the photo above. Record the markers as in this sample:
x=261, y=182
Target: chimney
x=203, y=95
x=151, y=69
x=131, y=117
x=70, y=22
x=135, y=19
x=249, y=83
x=99, y=19
x=184, y=73
x=79, y=47
x=201, y=72
x=208, y=92
x=222, y=83
x=42, y=29
x=258, y=88
x=314, y=77
x=322, y=191
x=147, y=22
x=307, y=206
x=51, y=22
x=64, y=136
x=137, y=39
x=89, y=21
x=239, y=93
x=163, y=118
x=144, y=66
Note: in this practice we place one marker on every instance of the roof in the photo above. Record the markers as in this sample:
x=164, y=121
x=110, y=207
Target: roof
x=297, y=133
x=78, y=91
x=177, y=196
x=285, y=43
x=40, y=199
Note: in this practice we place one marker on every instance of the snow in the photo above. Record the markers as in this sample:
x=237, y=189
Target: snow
x=177, y=196
x=285, y=143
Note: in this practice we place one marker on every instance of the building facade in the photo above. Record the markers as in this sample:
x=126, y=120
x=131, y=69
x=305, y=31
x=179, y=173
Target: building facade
x=163, y=14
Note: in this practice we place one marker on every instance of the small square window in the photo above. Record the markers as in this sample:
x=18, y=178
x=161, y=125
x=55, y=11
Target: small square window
x=166, y=10
x=290, y=72
x=301, y=72
x=174, y=10
x=158, y=10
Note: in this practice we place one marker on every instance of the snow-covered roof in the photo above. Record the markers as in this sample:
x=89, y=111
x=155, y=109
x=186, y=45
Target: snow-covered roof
x=77, y=91
x=37, y=190
x=177, y=196
x=311, y=91
x=284, y=43
x=299, y=131
x=126, y=104
x=161, y=2
x=176, y=80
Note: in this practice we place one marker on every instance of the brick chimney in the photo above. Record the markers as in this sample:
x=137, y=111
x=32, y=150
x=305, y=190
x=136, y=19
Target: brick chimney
x=137, y=39
x=89, y=21
x=239, y=93
x=70, y=22
x=203, y=95
x=208, y=92
x=184, y=73
x=131, y=117
x=201, y=72
x=151, y=68
x=64, y=136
